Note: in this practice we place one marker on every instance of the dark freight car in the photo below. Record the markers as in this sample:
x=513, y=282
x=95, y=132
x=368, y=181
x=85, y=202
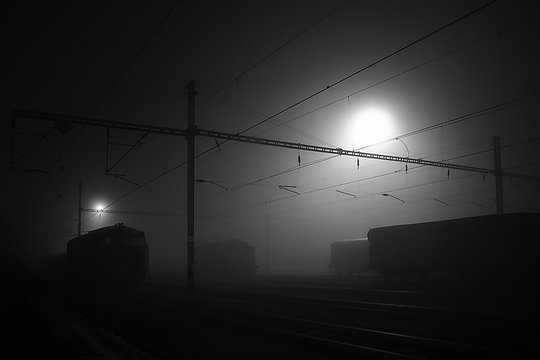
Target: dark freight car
x=109, y=255
x=493, y=246
x=349, y=256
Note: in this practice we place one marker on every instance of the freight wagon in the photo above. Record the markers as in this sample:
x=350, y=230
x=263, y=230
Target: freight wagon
x=492, y=246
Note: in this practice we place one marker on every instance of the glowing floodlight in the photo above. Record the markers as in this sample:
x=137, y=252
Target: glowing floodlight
x=369, y=126
x=100, y=207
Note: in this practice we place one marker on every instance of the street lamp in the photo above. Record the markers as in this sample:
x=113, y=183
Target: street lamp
x=392, y=196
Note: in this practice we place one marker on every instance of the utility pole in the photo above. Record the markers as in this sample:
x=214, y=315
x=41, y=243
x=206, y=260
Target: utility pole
x=267, y=240
x=79, y=210
x=190, y=135
x=498, y=174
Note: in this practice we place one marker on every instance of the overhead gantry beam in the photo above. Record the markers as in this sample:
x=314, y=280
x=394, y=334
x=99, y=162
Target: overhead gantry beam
x=107, y=211
x=256, y=140
x=26, y=114
x=337, y=151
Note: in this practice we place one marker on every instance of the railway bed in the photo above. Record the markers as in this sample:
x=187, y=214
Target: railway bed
x=306, y=319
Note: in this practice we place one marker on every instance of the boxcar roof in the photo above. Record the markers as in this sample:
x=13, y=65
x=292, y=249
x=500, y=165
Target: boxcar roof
x=113, y=229
x=515, y=222
x=359, y=239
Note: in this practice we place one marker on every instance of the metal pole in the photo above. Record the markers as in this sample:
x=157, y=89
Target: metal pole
x=190, y=135
x=107, y=153
x=498, y=174
x=13, y=142
x=80, y=209
x=267, y=241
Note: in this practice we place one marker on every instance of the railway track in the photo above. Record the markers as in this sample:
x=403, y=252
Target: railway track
x=433, y=328
x=321, y=326
x=77, y=334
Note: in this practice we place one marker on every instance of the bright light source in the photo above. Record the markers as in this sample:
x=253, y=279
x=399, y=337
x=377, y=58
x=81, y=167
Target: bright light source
x=99, y=207
x=369, y=126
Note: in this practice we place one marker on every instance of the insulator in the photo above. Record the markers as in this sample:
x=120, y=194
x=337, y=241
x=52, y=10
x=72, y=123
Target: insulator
x=448, y=173
x=406, y=168
x=358, y=163
x=298, y=159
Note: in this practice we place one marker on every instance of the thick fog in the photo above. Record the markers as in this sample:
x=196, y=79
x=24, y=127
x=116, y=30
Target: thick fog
x=447, y=97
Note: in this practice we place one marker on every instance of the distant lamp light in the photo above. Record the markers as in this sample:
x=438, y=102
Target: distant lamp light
x=99, y=209
x=395, y=197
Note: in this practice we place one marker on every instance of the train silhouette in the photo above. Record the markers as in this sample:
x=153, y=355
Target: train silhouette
x=502, y=246
x=110, y=255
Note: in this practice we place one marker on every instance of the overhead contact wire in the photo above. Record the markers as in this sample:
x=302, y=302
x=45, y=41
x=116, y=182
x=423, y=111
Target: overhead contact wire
x=422, y=38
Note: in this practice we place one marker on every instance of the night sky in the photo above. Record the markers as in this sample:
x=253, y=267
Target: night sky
x=130, y=61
